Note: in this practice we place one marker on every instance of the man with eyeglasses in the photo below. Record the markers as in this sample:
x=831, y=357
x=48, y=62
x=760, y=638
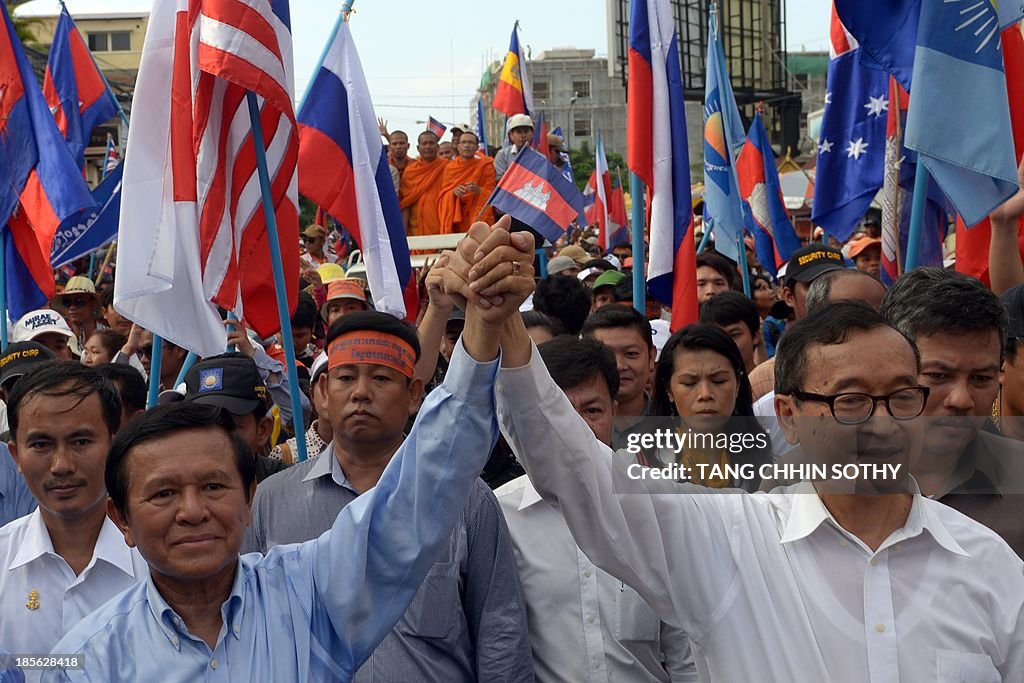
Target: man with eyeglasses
x=959, y=326
x=172, y=358
x=78, y=303
x=811, y=583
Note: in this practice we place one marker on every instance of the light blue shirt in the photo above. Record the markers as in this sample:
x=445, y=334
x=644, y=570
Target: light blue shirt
x=315, y=611
x=15, y=498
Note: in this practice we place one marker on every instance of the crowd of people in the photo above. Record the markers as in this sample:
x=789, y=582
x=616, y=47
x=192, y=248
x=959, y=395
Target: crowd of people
x=469, y=509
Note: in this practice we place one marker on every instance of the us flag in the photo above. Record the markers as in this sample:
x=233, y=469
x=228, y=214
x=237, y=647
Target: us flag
x=192, y=162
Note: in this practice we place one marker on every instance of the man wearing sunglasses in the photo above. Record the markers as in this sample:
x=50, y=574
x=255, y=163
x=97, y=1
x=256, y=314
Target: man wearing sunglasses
x=815, y=584
x=959, y=326
x=172, y=358
x=78, y=301
x=314, y=239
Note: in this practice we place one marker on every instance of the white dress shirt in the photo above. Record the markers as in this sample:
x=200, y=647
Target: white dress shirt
x=585, y=625
x=28, y=563
x=768, y=586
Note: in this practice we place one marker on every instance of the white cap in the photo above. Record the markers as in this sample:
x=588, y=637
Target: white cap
x=518, y=121
x=319, y=365
x=614, y=260
x=38, y=322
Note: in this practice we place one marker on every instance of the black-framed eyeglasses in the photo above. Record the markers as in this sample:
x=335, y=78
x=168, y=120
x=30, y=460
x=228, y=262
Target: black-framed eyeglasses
x=854, y=408
x=79, y=302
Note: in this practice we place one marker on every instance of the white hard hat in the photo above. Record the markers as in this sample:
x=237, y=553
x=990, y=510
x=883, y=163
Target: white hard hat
x=518, y=121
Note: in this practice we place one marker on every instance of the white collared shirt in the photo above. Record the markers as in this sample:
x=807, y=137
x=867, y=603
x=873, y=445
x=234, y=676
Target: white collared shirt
x=28, y=563
x=585, y=625
x=768, y=586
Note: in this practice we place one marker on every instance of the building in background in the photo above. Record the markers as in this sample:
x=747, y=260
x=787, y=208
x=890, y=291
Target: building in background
x=754, y=36
x=114, y=31
x=809, y=71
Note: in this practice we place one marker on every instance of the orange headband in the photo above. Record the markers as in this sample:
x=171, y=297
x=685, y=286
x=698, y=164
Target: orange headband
x=374, y=348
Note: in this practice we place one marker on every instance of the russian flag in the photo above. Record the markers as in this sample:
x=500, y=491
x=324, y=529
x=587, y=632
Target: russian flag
x=513, y=94
x=658, y=154
x=436, y=127
x=74, y=88
x=40, y=185
x=535, y=192
x=343, y=167
x=767, y=220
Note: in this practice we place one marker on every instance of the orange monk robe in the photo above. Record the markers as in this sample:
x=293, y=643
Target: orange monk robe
x=421, y=187
x=457, y=214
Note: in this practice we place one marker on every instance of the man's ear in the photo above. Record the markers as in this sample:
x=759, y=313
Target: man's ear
x=415, y=395
x=264, y=428
x=121, y=520
x=786, y=412
x=12, y=446
x=789, y=297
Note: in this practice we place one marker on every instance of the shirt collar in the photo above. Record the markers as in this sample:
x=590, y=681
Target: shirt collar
x=35, y=543
x=173, y=625
x=807, y=513
x=327, y=465
x=111, y=548
x=530, y=495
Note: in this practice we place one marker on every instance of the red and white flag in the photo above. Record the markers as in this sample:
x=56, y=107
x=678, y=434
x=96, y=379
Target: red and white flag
x=193, y=235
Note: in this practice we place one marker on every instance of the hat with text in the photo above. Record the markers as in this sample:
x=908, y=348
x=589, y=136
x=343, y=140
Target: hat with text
x=19, y=359
x=39, y=322
x=230, y=381
x=807, y=263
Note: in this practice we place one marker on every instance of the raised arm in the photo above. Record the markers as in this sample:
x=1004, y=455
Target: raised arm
x=367, y=568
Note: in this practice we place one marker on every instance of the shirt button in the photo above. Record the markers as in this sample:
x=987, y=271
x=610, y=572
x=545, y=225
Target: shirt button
x=590, y=620
x=175, y=641
x=238, y=629
x=587, y=573
x=213, y=663
x=880, y=628
x=874, y=561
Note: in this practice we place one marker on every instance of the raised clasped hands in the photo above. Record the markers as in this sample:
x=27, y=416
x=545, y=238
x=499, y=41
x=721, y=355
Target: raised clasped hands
x=490, y=274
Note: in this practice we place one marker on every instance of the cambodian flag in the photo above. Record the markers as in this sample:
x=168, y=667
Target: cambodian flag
x=948, y=56
x=74, y=88
x=436, y=127
x=767, y=220
x=343, y=167
x=658, y=154
x=535, y=192
x=40, y=184
x=513, y=94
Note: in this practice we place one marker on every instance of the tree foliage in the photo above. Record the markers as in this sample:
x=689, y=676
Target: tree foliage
x=583, y=164
x=23, y=27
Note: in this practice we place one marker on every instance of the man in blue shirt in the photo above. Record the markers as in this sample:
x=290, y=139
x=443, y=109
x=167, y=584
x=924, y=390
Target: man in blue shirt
x=15, y=498
x=181, y=488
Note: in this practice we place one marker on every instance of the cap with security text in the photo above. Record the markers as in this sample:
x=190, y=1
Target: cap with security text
x=19, y=359
x=807, y=263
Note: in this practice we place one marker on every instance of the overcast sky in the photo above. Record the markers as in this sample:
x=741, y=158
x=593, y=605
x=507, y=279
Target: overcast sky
x=426, y=59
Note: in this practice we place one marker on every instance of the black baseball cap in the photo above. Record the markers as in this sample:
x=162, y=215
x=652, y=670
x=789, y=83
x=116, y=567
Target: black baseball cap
x=19, y=359
x=807, y=263
x=230, y=381
x=1013, y=301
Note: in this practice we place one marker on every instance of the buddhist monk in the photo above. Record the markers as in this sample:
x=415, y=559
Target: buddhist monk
x=446, y=150
x=421, y=186
x=466, y=185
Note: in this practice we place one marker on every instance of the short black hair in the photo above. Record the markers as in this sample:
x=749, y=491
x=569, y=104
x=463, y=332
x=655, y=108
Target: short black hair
x=65, y=378
x=107, y=297
x=111, y=340
x=599, y=263
x=377, y=322
x=826, y=326
x=699, y=337
x=627, y=245
x=572, y=362
x=930, y=300
x=165, y=420
x=538, y=319
x=729, y=308
x=565, y=299
x=819, y=292
x=307, y=314
x=619, y=315
x=720, y=263
x=129, y=381
x=623, y=291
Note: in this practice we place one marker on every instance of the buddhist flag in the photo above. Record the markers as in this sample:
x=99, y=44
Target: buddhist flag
x=514, y=95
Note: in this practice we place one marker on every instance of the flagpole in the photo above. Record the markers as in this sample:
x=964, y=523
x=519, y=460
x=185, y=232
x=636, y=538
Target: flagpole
x=917, y=216
x=346, y=9
x=120, y=109
x=156, y=357
x=636, y=189
x=190, y=360
x=278, y=267
x=706, y=237
x=3, y=288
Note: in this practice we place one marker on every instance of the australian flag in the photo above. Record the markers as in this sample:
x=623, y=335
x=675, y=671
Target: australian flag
x=851, y=147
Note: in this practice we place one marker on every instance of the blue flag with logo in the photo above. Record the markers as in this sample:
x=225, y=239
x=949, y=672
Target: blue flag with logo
x=724, y=137
x=959, y=118
x=92, y=229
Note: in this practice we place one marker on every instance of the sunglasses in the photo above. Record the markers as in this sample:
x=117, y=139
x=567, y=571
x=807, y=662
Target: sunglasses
x=75, y=301
x=306, y=239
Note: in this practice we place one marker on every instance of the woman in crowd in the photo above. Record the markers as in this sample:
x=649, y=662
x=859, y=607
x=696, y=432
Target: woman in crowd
x=700, y=379
x=102, y=346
